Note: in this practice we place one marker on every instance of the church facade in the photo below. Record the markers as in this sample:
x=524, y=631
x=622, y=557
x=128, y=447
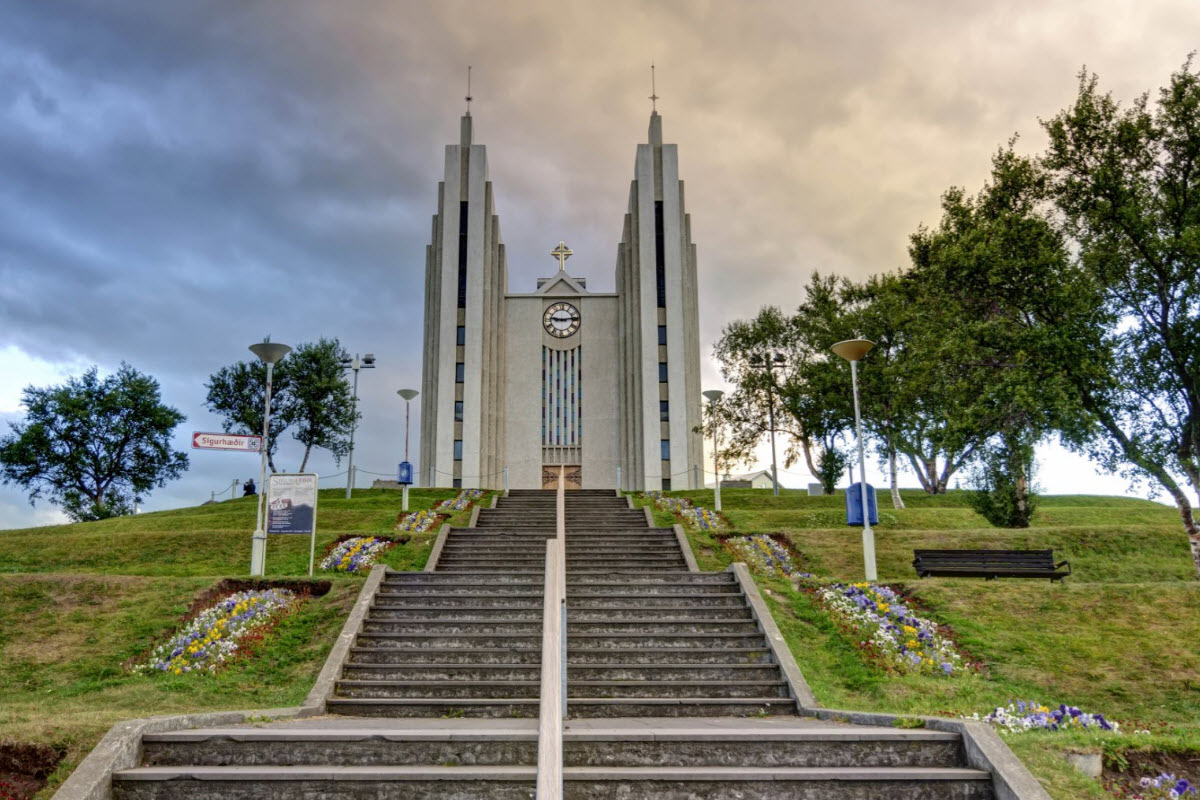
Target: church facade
x=606, y=384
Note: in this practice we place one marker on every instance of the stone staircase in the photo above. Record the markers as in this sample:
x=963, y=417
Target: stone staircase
x=674, y=690
x=646, y=637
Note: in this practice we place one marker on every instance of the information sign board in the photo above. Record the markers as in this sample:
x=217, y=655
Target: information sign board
x=292, y=506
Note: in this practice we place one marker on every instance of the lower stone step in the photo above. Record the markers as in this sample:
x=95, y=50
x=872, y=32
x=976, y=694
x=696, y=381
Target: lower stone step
x=444, y=627
x=677, y=689
x=672, y=672
x=437, y=689
x=444, y=672
x=613, y=613
x=580, y=654
x=328, y=783
x=446, y=656
x=676, y=626
x=590, y=600
x=427, y=707
x=616, y=707
x=407, y=641
x=351, y=747
x=681, y=641
x=782, y=783
x=413, y=613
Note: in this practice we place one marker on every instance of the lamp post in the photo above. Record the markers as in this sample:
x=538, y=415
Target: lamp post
x=408, y=395
x=714, y=396
x=356, y=363
x=853, y=350
x=268, y=352
x=771, y=361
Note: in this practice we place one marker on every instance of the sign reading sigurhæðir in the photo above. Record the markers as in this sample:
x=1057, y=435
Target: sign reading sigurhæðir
x=226, y=441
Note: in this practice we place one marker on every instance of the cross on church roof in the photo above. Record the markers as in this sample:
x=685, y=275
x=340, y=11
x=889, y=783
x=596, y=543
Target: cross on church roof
x=469, y=98
x=653, y=91
x=562, y=253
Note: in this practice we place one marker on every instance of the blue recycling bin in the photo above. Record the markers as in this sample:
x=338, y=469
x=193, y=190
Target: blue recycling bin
x=405, y=474
x=854, y=511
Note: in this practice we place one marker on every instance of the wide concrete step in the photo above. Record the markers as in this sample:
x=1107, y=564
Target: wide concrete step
x=466, y=596
x=434, y=628
x=601, y=613
x=449, y=584
x=431, y=707
x=414, y=613
x=326, y=782
x=616, y=707
x=494, y=569
x=671, y=672
x=442, y=656
x=599, y=567
x=677, y=689
x=780, y=783
x=759, y=746
x=579, y=586
x=633, y=579
x=579, y=654
x=493, y=548
x=447, y=641
x=338, y=745
x=623, y=558
x=443, y=672
x=665, y=640
x=438, y=690
x=675, y=626
x=616, y=602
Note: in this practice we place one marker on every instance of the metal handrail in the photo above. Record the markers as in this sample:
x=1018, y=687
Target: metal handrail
x=553, y=705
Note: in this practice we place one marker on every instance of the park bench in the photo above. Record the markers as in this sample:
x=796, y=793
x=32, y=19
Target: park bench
x=990, y=564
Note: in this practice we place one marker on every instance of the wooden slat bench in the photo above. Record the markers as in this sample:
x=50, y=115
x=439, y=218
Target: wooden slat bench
x=990, y=564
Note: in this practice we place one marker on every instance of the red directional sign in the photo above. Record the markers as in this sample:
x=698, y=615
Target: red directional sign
x=226, y=441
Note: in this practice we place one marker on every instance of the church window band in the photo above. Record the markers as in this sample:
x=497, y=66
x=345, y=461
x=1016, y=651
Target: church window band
x=462, y=254
x=660, y=256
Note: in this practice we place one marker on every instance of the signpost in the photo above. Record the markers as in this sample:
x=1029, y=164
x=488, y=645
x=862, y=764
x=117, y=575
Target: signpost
x=404, y=476
x=226, y=441
x=292, y=507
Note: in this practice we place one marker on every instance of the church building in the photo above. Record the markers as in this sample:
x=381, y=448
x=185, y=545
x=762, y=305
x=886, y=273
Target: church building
x=605, y=384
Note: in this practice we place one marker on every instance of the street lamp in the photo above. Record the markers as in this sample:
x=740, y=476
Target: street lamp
x=408, y=395
x=853, y=350
x=268, y=352
x=714, y=396
x=771, y=361
x=356, y=363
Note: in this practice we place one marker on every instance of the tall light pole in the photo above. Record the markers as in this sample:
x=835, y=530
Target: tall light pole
x=356, y=363
x=853, y=350
x=268, y=352
x=714, y=396
x=408, y=395
x=771, y=361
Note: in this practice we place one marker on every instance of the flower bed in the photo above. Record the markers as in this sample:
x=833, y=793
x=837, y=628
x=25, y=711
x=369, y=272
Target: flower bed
x=417, y=521
x=766, y=556
x=1165, y=787
x=355, y=554
x=1030, y=716
x=693, y=516
x=462, y=501
x=211, y=638
x=883, y=625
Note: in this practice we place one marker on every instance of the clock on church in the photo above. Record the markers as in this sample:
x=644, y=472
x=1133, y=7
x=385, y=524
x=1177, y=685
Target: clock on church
x=561, y=320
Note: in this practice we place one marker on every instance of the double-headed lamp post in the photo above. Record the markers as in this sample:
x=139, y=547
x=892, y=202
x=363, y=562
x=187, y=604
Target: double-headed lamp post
x=714, y=396
x=408, y=395
x=356, y=363
x=270, y=353
x=853, y=350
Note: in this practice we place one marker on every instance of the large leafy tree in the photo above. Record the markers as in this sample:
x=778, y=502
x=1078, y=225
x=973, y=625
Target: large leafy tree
x=310, y=396
x=93, y=446
x=1127, y=184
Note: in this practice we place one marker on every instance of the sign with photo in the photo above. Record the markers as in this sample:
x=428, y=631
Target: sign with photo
x=292, y=503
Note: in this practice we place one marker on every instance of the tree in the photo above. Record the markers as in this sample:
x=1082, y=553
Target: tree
x=95, y=447
x=237, y=393
x=1127, y=184
x=319, y=401
x=309, y=394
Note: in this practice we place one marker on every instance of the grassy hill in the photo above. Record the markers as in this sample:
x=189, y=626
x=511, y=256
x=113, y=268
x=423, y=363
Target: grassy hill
x=1119, y=637
x=78, y=602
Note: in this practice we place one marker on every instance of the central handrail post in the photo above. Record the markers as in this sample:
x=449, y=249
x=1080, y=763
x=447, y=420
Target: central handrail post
x=561, y=535
x=550, y=714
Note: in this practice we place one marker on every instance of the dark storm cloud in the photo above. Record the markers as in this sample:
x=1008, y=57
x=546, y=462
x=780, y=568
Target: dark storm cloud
x=180, y=179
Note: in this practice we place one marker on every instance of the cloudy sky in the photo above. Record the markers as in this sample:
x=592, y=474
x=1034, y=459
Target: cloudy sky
x=180, y=179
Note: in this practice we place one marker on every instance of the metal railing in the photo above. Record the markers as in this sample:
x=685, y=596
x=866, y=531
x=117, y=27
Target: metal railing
x=553, y=706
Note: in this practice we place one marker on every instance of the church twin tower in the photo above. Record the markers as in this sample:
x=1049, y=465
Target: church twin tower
x=605, y=384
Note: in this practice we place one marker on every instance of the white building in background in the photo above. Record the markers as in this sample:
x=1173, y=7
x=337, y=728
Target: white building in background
x=560, y=375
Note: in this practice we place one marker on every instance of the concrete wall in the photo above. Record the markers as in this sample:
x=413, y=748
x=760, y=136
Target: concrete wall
x=523, y=404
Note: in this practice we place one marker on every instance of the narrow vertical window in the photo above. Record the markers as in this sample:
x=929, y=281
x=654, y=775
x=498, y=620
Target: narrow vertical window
x=662, y=334
x=461, y=336
x=458, y=449
x=664, y=410
x=458, y=411
x=462, y=254
x=666, y=484
x=665, y=445
x=458, y=372
x=662, y=372
x=660, y=256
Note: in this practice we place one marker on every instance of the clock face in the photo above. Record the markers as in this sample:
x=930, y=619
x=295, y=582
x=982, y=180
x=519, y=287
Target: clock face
x=561, y=320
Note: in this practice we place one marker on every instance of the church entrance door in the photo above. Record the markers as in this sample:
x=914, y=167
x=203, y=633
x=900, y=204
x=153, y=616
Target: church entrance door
x=572, y=477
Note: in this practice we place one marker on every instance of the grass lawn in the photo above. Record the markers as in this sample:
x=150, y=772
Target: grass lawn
x=79, y=603
x=1119, y=637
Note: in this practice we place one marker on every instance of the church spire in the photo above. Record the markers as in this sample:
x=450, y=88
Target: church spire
x=465, y=134
x=655, y=133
